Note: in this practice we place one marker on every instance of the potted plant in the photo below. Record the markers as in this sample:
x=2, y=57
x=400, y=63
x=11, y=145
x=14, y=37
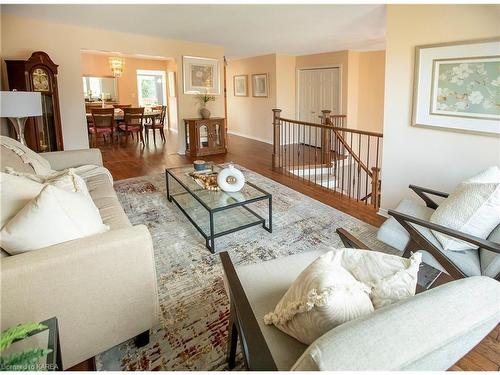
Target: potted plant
x=26, y=360
x=204, y=99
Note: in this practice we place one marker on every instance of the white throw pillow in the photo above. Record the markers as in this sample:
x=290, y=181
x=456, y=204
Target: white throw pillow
x=390, y=277
x=322, y=297
x=66, y=179
x=54, y=216
x=15, y=193
x=473, y=208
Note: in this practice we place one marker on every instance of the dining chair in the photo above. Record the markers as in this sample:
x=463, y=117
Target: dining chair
x=132, y=122
x=157, y=122
x=103, y=122
x=121, y=106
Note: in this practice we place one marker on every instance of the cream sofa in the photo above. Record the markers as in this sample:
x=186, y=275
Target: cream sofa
x=102, y=289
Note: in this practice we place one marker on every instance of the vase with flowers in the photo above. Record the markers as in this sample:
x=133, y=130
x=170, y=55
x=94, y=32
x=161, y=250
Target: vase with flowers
x=204, y=99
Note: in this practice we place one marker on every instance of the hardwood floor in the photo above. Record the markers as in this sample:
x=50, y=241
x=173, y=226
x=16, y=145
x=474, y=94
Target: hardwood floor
x=131, y=160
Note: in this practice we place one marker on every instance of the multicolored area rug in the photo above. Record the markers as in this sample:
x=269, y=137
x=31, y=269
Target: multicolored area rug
x=192, y=334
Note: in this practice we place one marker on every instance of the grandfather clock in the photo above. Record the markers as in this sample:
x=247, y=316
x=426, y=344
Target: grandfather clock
x=39, y=74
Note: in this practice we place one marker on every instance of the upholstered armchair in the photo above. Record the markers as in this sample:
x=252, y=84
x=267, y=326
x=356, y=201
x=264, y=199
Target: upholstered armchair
x=409, y=230
x=430, y=331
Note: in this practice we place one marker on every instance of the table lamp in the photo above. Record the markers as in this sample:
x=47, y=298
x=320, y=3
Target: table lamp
x=17, y=106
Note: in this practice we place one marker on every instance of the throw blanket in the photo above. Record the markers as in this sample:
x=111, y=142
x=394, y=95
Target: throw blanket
x=87, y=171
x=28, y=156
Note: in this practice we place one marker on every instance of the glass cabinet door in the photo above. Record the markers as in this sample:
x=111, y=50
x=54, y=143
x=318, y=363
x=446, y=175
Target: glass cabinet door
x=217, y=135
x=204, y=135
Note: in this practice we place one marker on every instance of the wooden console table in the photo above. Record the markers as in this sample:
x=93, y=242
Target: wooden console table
x=205, y=136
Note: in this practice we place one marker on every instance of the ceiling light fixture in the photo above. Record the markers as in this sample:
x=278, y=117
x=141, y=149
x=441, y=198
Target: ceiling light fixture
x=116, y=64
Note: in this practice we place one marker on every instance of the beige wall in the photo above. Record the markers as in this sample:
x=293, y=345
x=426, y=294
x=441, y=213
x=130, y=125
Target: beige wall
x=362, y=84
x=370, y=100
x=21, y=36
x=426, y=157
x=248, y=116
x=285, y=85
x=329, y=59
x=98, y=65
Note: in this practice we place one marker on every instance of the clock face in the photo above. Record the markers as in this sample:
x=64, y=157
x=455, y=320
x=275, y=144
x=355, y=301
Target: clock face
x=40, y=80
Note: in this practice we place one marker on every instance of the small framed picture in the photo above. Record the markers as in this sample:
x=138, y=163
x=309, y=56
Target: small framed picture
x=201, y=75
x=240, y=84
x=456, y=86
x=259, y=85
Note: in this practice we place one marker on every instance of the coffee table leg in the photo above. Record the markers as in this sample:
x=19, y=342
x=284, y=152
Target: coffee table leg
x=211, y=238
x=168, y=187
x=269, y=228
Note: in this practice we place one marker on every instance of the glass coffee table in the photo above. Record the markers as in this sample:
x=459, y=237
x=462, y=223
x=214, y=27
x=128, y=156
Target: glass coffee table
x=216, y=213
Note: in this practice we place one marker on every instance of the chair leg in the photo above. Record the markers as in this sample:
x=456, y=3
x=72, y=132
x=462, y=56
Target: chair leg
x=146, y=132
x=162, y=133
x=142, y=339
x=154, y=136
x=142, y=138
x=232, y=342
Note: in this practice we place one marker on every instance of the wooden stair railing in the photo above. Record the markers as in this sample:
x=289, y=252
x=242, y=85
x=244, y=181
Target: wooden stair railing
x=344, y=160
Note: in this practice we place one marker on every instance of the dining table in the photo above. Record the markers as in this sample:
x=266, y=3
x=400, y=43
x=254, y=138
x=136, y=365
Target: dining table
x=149, y=114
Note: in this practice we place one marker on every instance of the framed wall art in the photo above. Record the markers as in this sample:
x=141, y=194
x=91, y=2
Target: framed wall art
x=201, y=75
x=259, y=85
x=457, y=86
x=240, y=84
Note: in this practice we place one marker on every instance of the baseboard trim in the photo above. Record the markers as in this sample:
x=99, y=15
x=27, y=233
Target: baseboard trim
x=383, y=212
x=249, y=137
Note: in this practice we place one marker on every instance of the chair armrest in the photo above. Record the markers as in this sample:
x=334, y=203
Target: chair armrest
x=73, y=158
x=350, y=241
x=421, y=192
x=257, y=354
x=102, y=290
x=485, y=244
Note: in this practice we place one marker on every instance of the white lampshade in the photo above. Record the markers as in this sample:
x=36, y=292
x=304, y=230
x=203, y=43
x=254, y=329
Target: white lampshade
x=20, y=104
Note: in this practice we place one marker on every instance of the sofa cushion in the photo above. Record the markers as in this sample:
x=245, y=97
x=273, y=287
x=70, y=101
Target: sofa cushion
x=472, y=208
x=15, y=193
x=264, y=285
x=430, y=331
x=392, y=233
x=22, y=158
x=100, y=186
x=112, y=213
x=490, y=261
x=322, y=297
x=54, y=216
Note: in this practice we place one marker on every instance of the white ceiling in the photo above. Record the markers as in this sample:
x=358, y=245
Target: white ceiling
x=243, y=30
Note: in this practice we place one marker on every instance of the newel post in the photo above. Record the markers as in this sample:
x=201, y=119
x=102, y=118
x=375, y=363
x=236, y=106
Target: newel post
x=326, y=146
x=276, y=136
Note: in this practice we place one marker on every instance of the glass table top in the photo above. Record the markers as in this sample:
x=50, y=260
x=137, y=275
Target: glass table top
x=213, y=200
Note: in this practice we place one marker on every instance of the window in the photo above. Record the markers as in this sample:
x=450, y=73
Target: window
x=151, y=88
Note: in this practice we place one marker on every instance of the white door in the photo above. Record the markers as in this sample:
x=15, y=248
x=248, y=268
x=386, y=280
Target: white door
x=318, y=89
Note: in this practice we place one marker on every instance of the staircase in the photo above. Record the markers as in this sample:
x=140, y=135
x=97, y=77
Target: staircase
x=329, y=155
